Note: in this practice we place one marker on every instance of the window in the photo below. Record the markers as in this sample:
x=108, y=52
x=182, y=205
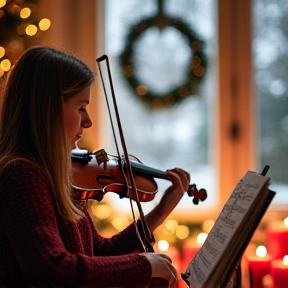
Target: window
x=170, y=137
x=238, y=119
x=270, y=41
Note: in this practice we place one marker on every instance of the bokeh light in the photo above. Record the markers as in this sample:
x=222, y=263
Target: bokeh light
x=2, y=3
x=202, y=237
x=171, y=224
x=182, y=232
x=261, y=251
x=5, y=65
x=163, y=245
x=25, y=13
x=2, y=51
x=44, y=24
x=120, y=222
x=31, y=30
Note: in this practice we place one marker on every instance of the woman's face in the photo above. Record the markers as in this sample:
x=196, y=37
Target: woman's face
x=76, y=115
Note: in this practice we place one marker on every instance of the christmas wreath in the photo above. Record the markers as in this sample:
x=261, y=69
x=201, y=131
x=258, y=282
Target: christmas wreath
x=196, y=66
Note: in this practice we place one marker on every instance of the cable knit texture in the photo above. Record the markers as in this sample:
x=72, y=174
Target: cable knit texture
x=39, y=249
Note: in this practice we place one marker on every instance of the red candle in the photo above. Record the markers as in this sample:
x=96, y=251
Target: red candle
x=190, y=248
x=260, y=265
x=171, y=251
x=279, y=273
x=277, y=239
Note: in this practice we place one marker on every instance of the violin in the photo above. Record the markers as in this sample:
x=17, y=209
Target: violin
x=95, y=174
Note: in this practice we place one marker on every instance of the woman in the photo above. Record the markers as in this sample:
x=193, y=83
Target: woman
x=47, y=239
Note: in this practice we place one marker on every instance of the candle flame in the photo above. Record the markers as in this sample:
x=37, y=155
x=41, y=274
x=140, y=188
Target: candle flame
x=261, y=251
x=285, y=260
x=163, y=245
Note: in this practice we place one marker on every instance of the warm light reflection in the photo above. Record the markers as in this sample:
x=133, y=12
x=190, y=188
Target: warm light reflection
x=2, y=3
x=261, y=251
x=25, y=13
x=44, y=24
x=163, y=245
x=285, y=260
x=171, y=224
x=1, y=73
x=201, y=238
x=31, y=30
x=286, y=222
x=2, y=51
x=141, y=90
x=207, y=225
x=5, y=65
x=120, y=222
x=101, y=211
x=182, y=232
x=21, y=29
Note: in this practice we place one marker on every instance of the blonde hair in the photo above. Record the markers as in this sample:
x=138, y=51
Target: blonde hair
x=32, y=119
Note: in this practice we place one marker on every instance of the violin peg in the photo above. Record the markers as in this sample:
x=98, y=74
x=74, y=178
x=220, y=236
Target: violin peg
x=192, y=190
x=195, y=201
x=202, y=194
x=101, y=156
x=198, y=195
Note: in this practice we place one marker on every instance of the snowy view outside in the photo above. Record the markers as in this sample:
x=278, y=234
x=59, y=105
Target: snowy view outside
x=270, y=50
x=166, y=138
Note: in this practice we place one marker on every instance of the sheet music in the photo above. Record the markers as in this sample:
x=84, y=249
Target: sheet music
x=229, y=219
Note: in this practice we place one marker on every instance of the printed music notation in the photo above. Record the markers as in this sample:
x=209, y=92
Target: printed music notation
x=225, y=227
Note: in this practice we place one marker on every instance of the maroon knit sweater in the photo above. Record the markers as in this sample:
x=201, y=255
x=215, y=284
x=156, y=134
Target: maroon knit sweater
x=39, y=249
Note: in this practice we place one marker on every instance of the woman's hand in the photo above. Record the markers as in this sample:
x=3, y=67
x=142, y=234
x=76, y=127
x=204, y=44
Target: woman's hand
x=180, y=182
x=162, y=268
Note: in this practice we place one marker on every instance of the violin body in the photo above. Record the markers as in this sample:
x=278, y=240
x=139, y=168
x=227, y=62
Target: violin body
x=95, y=174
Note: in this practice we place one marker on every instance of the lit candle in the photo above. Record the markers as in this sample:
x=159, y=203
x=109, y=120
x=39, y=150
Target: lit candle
x=259, y=264
x=277, y=239
x=279, y=272
x=190, y=249
x=170, y=250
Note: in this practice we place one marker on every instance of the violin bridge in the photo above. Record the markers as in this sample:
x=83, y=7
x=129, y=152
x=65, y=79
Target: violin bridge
x=101, y=156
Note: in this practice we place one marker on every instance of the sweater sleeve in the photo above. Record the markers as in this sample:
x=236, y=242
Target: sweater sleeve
x=127, y=241
x=29, y=222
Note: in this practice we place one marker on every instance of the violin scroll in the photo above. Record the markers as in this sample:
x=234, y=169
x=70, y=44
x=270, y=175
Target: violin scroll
x=198, y=195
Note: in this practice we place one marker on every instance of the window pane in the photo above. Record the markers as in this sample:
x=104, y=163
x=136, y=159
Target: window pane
x=270, y=42
x=179, y=136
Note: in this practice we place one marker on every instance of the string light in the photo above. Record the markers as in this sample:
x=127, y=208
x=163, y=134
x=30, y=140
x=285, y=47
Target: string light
x=2, y=3
x=31, y=30
x=2, y=51
x=5, y=65
x=15, y=13
x=21, y=29
x=163, y=245
x=44, y=24
x=25, y=13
